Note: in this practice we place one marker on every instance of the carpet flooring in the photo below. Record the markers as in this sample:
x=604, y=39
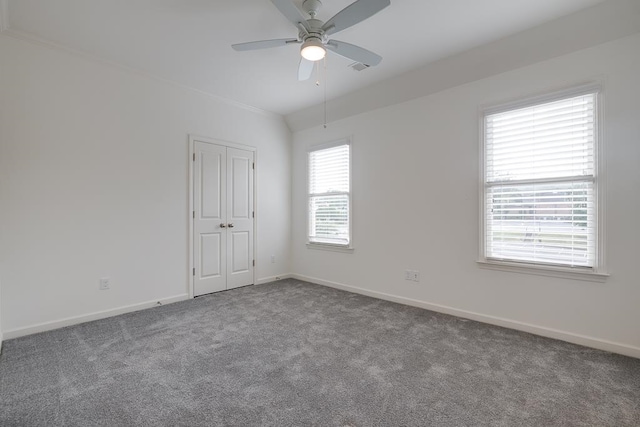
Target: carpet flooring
x=291, y=353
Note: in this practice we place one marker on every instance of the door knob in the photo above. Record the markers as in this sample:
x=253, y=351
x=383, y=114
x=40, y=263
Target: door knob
x=230, y=225
x=223, y=225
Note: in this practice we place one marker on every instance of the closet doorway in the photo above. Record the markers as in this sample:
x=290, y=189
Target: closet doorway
x=222, y=215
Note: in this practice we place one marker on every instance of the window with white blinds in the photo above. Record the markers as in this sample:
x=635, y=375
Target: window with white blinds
x=329, y=195
x=540, y=181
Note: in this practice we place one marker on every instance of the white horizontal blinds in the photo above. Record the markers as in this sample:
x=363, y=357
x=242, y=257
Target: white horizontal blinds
x=329, y=195
x=540, y=173
x=544, y=141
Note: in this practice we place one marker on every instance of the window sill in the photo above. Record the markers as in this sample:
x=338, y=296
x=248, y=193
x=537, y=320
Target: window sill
x=564, y=273
x=332, y=248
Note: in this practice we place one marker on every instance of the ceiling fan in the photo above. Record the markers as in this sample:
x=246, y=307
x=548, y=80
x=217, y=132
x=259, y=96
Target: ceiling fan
x=313, y=34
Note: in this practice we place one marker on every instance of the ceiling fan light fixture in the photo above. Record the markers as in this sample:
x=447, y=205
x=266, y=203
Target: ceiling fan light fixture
x=313, y=49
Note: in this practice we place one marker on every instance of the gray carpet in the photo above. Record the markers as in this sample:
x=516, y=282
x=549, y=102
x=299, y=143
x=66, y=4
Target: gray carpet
x=292, y=353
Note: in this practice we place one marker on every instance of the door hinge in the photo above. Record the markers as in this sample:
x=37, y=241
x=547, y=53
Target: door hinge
x=194, y=157
x=194, y=271
x=253, y=214
x=253, y=165
x=194, y=214
x=254, y=262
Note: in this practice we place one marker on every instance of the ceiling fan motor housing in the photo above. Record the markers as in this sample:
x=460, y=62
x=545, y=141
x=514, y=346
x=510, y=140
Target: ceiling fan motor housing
x=315, y=31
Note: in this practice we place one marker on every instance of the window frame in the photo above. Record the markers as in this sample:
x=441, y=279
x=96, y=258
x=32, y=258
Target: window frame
x=596, y=273
x=348, y=248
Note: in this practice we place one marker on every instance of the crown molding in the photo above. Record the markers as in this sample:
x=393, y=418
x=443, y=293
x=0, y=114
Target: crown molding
x=4, y=15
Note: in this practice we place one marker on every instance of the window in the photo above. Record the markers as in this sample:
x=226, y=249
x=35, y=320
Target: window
x=329, y=195
x=540, y=204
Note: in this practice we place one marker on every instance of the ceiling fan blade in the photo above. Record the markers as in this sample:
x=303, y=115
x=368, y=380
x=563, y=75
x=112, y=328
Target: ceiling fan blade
x=291, y=12
x=354, y=52
x=305, y=69
x=263, y=44
x=354, y=13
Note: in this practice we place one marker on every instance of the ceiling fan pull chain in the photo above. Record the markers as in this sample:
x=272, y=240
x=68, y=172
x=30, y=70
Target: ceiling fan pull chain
x=325, y=92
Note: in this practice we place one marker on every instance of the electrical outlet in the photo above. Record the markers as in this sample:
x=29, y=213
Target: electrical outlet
x=104, y=284
x=412, y=275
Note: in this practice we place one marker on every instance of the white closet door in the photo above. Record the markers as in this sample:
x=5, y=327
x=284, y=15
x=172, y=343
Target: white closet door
x=239, y=218
x=209, y=225
x=223, y=218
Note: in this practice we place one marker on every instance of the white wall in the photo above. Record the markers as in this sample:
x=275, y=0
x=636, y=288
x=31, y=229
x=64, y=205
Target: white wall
x=94, y=183
x=415, y=205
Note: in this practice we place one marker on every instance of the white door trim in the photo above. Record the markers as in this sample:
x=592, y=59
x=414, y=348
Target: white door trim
x=192, y=143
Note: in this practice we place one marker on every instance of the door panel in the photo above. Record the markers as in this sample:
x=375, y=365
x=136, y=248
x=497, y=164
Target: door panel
x=240, y=214
x=210, y=254
x=240, y=197
x=240, y=252
x=210, y=265
x=211, y=167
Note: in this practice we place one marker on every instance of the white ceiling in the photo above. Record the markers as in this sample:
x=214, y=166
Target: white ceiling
x=188, y=41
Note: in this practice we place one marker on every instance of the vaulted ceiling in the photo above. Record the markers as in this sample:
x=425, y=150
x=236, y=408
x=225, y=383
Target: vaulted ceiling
x=189, y=41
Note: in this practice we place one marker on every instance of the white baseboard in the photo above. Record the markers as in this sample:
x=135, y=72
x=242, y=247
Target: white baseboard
x=270, y=279
x=69, y=321
x=586, y=341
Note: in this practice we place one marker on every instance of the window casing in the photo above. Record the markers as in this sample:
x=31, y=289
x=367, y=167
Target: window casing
x=329, y=194
x=541, y=183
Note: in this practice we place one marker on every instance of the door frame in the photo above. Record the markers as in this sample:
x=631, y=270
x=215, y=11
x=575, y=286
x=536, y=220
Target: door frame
x=191, y=160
